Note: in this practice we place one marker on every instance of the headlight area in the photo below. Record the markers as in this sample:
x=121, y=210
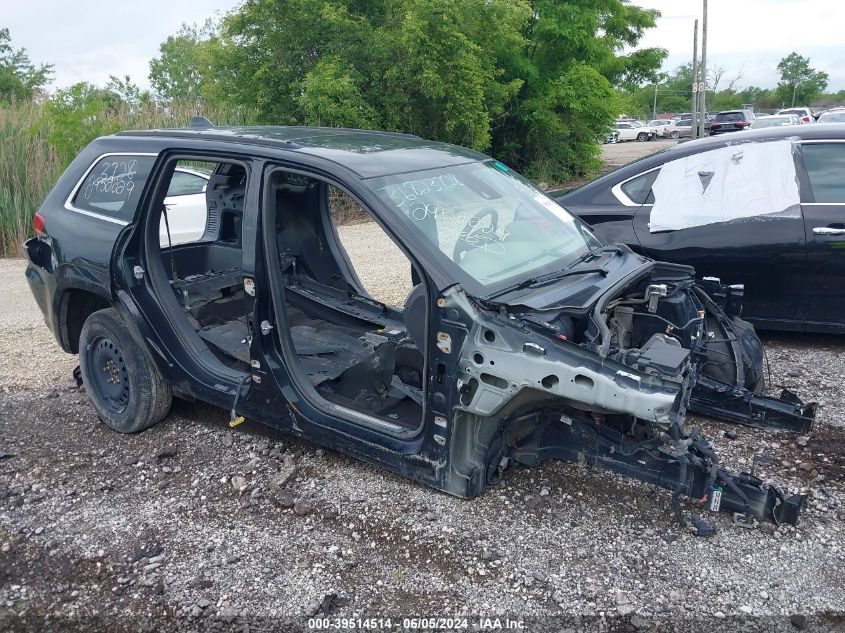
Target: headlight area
x=610, y=386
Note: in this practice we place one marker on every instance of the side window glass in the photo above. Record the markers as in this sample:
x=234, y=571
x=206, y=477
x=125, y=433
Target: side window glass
x=113, y=187
x=825, y=165
x=382, y=267
x=185, y=183
x=638, y=189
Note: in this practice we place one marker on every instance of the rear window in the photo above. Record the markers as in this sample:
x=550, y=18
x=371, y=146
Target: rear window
x=113, y=186
x=730, y=116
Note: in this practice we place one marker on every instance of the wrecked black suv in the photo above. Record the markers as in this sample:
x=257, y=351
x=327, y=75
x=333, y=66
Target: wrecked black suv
x=521, y=336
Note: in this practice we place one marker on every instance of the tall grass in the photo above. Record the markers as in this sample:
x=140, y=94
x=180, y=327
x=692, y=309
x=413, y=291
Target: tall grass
x=37, y=141
x=28, y=168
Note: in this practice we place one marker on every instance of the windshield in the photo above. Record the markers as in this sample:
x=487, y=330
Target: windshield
x=492, y=224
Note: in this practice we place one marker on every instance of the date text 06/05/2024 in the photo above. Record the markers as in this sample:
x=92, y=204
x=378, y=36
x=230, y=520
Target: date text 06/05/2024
x=421, y=623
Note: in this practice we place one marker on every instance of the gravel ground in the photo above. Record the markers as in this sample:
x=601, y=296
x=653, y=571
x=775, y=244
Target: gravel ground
x=193, y=526
x=618, y=154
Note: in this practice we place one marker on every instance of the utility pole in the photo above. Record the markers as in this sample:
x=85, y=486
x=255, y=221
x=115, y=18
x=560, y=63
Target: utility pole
x=694, y=122
x=703, y=85
x=654, y=109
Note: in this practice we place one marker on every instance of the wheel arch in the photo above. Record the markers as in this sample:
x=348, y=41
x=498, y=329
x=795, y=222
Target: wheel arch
x=75, y=305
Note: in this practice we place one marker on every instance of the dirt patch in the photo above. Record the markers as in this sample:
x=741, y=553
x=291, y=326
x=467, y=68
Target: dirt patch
x=826, y=449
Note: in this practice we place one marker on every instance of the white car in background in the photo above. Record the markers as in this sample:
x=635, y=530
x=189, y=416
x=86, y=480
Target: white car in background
x=804, y=114
x=837, y=115
x=187, y=210
x=633, y=131
x=775, y=120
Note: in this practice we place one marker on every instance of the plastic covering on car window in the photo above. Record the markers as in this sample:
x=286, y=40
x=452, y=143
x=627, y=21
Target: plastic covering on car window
x=738, y=181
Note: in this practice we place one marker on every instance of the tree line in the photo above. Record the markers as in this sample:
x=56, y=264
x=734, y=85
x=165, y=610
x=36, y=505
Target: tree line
x=532, y=81
x=536, y=83
x=800, y=85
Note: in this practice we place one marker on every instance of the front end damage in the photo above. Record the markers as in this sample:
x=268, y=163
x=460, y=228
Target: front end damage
x=608, y=379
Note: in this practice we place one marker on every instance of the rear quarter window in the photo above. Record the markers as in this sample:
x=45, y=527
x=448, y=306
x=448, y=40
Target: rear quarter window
x=825, y=165
x=638, y=189
x=112, y=187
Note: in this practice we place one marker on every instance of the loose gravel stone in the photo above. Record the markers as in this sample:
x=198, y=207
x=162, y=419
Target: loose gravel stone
x=303, y=507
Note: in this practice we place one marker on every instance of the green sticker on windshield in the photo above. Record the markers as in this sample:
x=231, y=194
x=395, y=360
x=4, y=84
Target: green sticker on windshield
x=499, y=165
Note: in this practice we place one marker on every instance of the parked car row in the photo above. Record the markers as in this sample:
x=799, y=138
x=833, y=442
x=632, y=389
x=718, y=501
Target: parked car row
x=680, y=125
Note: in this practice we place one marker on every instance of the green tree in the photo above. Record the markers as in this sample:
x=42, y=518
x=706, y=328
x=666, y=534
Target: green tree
x=19, y=78
x=530, y=79
x=331, y=96
x=76, y=115
x=185, y=69
x=799, y=83
x=126, y=93
x=571, y=60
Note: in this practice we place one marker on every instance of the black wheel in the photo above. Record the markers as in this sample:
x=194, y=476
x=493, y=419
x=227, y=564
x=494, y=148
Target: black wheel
x=675, y=135
x=642, y=136
x=120, y=379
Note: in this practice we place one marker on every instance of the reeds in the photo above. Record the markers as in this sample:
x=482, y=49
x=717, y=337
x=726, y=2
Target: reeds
x=34, y=151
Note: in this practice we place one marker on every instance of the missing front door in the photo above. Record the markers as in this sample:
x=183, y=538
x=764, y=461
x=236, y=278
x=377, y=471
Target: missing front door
x=354, y=317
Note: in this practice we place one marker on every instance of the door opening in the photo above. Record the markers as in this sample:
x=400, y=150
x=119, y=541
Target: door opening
x=200, y=250
x=354, y=309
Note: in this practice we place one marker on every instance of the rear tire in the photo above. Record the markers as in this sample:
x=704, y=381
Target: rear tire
x=122, y=382
x=675, y=135
x=642, y=136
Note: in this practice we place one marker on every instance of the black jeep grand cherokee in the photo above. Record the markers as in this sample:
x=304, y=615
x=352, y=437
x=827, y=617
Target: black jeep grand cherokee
x=522, y=337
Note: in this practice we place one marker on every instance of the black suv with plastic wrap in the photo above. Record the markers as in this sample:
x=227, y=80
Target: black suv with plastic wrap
x=214, y=264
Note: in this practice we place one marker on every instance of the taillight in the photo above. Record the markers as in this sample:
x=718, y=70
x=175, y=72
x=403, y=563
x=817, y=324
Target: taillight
x=38, y=224
x=805, y=119
x=712, y=125
x=743, y=123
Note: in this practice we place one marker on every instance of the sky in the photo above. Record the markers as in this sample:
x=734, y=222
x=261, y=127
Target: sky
x=87, y=40
x=750, y=37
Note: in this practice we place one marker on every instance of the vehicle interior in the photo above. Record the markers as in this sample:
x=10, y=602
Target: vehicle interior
x=354, y=350
x=205, y=274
